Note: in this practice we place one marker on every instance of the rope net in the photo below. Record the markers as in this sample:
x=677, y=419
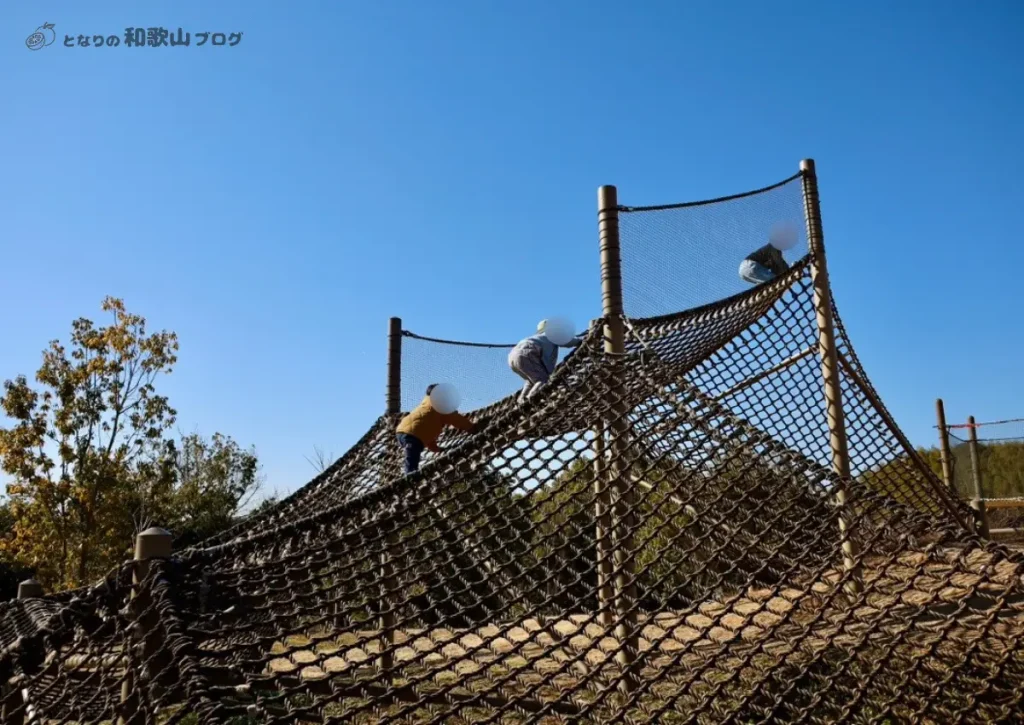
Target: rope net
x=656, y=536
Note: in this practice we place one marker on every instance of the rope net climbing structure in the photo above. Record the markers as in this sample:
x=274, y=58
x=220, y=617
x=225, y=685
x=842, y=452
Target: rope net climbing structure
x=656, y=536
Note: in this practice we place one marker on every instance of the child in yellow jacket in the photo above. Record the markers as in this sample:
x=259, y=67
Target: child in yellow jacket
x=423, y=426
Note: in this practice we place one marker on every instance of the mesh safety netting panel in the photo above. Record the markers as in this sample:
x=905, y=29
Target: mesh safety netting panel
x=1001, y=469
x=479, y=371
x=655, y=537
x=682, y=256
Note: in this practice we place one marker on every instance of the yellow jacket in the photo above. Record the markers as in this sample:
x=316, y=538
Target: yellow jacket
x=426, y=423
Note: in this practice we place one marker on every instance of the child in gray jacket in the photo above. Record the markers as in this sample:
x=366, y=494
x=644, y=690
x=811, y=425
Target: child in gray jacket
x=534, y=359
x=763, y=265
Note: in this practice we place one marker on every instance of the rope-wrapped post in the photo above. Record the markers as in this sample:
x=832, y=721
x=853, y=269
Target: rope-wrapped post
x=393, y=406
x=830, y=371
x=978, y=500
x=618, y=483
x=153, y=543
x=15, y=700
x=393, y=396
x=944, y=452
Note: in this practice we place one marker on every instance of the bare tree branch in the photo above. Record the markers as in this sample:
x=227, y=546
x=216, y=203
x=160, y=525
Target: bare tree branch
x=320, y=461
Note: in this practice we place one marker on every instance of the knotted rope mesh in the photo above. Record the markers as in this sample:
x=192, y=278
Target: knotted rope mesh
x=655, y=537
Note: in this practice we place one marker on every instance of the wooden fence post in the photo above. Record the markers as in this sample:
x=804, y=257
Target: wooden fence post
x=978, y=500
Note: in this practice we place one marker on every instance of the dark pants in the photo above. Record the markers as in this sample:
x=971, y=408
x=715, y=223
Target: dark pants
x=413, y=450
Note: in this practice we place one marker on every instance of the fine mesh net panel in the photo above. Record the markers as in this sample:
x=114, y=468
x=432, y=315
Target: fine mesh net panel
x=479, y=371
x=1001, y=465
x=963, y=475
x=655, y=537
x=678, y=257
x=1001, y=431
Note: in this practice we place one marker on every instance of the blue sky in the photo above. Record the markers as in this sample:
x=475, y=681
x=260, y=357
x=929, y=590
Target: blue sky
x=275, y=202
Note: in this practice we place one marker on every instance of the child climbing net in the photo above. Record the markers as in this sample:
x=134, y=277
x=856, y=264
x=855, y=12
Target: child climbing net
x=766, y=263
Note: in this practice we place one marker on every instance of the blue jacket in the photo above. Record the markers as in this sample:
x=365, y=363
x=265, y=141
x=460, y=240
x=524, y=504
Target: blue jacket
x=548, y=349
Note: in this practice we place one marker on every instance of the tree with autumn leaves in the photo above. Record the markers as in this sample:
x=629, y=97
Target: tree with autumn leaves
x=90, y=459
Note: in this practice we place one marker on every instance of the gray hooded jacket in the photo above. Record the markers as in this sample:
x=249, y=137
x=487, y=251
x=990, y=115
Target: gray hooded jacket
x=547, y=350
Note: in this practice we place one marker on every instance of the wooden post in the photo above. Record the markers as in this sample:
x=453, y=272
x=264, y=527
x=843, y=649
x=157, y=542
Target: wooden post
x=978, y=501
x=15, y=700
x=944, y=451
x=393, y=396
x=393, y=406
x=618, y=483
x=30, y=589
x=830, y=372
x=153, y=543
x=602, y=537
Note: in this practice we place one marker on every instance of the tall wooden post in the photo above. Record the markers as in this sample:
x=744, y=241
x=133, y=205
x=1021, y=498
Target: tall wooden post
x=978, y=500
x=830, y=371
x=14, y=710
x=618, y=482
x=392, y=407
x=393, y=396
x=944, y=452
x=153, y=543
